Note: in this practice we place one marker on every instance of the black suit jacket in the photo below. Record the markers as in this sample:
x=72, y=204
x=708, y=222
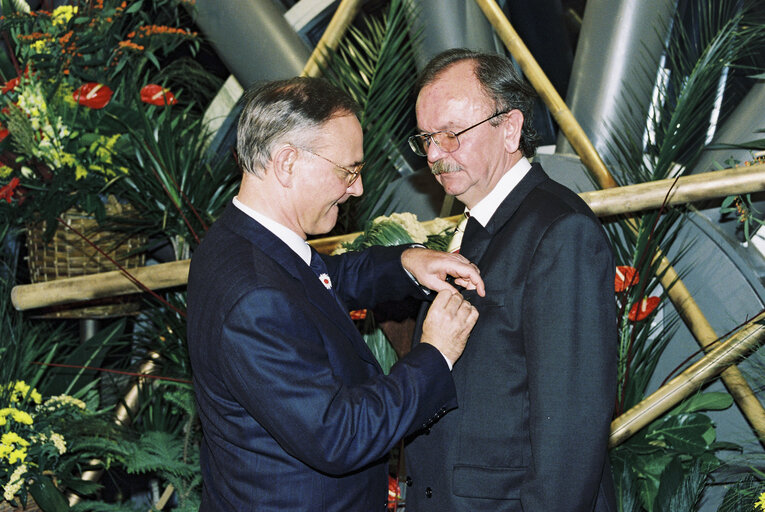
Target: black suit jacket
x=296, y=413
x=536, y=383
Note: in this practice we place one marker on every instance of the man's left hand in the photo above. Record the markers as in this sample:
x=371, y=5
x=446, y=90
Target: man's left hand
x=430, y=269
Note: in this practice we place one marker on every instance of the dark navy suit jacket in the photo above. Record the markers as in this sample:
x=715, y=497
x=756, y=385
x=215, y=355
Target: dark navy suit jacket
x=296, y=413
x=537, y=381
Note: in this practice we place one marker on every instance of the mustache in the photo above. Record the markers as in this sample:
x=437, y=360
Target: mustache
x=444, y=166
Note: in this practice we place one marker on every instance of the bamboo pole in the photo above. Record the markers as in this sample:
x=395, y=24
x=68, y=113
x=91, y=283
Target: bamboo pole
x=339, y=23
x=563, y=116
x=621, y=200
x=736, y=347
x=681, y=298
x=122, y=416
x=697, y=187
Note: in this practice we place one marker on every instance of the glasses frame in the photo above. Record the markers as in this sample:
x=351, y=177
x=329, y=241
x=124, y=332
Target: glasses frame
x=425, y=136
x=353, y=174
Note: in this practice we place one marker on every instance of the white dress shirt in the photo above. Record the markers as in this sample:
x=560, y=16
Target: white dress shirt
x=485, y=208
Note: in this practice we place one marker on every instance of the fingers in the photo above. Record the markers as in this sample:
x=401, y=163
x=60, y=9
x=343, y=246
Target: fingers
x=468, y=276
x=448, y=324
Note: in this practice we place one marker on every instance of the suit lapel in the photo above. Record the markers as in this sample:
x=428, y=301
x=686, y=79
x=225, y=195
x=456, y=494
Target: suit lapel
x=272, y=247
x=477, y=238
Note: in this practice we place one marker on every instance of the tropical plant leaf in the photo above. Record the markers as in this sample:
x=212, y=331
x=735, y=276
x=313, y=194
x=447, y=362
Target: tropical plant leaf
x=375, y=65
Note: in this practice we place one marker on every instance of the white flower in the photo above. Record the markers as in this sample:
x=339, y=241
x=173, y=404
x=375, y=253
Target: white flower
x=13, y=486
x=59, y=442
x=409, y=222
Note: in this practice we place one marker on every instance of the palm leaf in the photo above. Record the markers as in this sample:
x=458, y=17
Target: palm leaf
x=376, y=66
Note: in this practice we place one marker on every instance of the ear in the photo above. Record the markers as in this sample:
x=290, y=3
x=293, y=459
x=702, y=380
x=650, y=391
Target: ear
x=513, y=124
x=283, y=164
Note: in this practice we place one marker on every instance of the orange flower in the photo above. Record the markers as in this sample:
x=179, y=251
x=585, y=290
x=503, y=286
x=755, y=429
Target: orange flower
x=157, y=95
x=625, y=277
x=640, y=310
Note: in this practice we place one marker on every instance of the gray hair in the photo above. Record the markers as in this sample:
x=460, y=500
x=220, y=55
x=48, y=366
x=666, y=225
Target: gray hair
x=275, y=111
x=499, y=80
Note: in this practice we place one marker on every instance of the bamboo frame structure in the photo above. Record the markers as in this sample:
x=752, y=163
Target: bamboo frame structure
x=620, y=200
x=122, y=416
x=678, y=294
x=339, y=23
x=558, y=108
x=747, y=339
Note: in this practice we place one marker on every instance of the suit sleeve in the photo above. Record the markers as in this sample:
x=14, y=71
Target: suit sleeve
x=367, y=278
x=569, y=324
x=284, y=370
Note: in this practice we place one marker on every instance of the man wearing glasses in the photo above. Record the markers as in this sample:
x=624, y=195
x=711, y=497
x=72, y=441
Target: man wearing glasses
x=296, y=413
x=536, y=382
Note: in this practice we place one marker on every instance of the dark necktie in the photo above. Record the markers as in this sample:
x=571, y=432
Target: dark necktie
x=320, y=269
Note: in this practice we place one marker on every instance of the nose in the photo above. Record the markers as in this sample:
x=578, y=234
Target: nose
x=357, y=188
x=435, y=152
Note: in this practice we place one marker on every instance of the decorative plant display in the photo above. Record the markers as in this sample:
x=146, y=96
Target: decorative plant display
x=69, y=75
x=666, y=465
x=375, y=65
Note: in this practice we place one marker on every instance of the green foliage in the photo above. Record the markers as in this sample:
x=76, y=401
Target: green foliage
x=60, y=145
x=176, y=185
x=667, y=462
x=375, y=65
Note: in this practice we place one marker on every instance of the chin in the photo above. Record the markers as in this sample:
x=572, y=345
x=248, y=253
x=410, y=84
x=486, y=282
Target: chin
x=451, y=183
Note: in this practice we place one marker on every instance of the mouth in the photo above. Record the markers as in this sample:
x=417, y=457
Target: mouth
x=444, y=167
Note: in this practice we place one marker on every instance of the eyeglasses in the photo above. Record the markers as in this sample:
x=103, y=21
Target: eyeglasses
x=351, y=174
x=446, y=140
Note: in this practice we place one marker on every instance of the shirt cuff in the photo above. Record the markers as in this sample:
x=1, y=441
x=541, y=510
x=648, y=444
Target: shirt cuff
x=426, y=291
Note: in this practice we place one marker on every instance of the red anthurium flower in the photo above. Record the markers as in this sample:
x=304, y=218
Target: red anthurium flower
x=10, y=85
x=394, y=493
x=625, y=277
x=358, y=314
x=157, y=95
x=3, y=132
x=7, y=191
x=640, y=310
x=93, y=95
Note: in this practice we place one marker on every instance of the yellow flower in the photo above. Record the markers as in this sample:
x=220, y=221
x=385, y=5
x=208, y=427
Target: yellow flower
x=80, y=172
x=62, y=15
x=9, y=438
x=17, y=455
x=40, y=46
x=21, y=417
x=5, y=171
x=760, y=505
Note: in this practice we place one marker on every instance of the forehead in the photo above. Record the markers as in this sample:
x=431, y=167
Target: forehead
x=453, y=98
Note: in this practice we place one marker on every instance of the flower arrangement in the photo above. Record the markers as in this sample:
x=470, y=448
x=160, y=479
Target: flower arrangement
x=34, y=451
x=78, y=71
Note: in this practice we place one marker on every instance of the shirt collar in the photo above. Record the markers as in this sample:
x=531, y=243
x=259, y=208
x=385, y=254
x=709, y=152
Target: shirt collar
x=485, y=208
x=283, y=233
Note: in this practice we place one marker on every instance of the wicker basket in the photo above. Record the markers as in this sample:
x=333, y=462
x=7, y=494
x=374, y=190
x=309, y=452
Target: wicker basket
x=68, y=255
x=31, y=506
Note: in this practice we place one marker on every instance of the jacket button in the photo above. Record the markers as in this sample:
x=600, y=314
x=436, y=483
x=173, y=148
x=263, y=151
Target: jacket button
x=428, y=492
x=409, y=481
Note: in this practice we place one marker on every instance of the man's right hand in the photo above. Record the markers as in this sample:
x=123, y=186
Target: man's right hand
x=448, y=324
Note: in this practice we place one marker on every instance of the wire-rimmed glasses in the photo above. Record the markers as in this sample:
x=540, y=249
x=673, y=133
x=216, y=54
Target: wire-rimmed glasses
x=351, y=174
x=446, y=140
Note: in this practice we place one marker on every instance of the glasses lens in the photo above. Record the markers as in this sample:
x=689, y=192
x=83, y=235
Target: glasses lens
x=419, y=144
x=447, y=141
